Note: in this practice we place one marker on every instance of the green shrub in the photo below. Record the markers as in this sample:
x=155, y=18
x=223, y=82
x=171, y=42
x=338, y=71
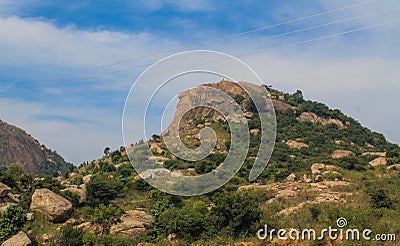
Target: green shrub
x=11, y=222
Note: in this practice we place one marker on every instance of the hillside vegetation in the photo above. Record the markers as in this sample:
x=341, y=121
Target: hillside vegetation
x=325, y=165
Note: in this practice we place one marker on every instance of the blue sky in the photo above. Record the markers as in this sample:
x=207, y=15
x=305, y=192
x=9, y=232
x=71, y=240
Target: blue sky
x=79, y=115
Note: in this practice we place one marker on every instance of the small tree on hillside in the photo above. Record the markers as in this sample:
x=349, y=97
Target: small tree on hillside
x=107, y=151
x=106, y=216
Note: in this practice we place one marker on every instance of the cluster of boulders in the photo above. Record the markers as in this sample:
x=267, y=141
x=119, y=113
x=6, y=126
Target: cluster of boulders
x=7, y=198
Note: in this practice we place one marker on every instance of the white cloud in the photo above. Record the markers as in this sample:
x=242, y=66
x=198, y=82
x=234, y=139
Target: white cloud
x=36, y=41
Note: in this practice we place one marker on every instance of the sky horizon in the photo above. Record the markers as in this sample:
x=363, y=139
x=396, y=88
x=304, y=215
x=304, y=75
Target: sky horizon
x=48, y=50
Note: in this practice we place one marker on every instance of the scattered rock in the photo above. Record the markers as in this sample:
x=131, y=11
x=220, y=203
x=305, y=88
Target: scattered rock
x=380, y=154
x=254, y=131
x=394, y=166
x=317, y=167
x=200, y=126
x=132, y=219
x=172, y=237
x=340, y=153
x=155, y=147
x=50, y=205
x=30, y=216
x=4, y=190
x=330, y=167
x=72, y=175
x=21, y=239
x=248, y=115
x=319, y=178
x=286, y=193
x=295, y=144
x=46, y=238
x=380, y=161
x=306, y=179
x=311, y=117
x=292, y=177
x=86, y=178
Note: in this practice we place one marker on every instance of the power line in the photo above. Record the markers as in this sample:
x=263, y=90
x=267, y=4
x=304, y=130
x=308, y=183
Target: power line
x=218, y=49
x=243, y=55
x=309, y=28
x=191, y=45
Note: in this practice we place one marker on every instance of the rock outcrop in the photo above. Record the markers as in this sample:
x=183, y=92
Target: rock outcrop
x=132, y=223
x=50, y=205
x=296, y=144
x=380, y=154
x=380, y=161
x=311, y=117
x=21, y=239
x=340, y=153
x=4, y=190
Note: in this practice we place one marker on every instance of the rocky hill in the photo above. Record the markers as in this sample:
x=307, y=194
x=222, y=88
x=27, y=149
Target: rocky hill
x=19, y=147
x=325, y=165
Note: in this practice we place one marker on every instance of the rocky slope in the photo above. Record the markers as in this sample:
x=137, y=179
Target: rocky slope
x=19, y=147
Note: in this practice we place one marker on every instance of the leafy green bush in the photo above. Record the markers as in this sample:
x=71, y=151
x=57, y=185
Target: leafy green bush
x=106, y=216
x=11, y=222
x=101, y=189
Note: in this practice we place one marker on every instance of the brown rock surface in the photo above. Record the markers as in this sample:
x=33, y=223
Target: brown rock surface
x=340, y=153
x=380, y=161
x=21, y=239
x=50, y=205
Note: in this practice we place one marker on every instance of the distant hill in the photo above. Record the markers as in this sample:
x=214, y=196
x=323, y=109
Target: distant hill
x=19, y=147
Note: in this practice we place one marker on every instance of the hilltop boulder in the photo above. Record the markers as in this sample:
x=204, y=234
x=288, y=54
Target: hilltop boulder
x=51, y=206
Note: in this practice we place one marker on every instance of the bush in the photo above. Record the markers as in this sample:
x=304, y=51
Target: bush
x=70, y=236
x=100, y=190
x=11, y=222
x=106, y=216
x=76, y=181
x=73, y=197
x=48, y=183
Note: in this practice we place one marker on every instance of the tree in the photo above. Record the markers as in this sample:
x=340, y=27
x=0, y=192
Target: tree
x=106, y=216
x=107, y=151
x=11, y=222
x=233, y=214
x=380, y=199
x=100, y=189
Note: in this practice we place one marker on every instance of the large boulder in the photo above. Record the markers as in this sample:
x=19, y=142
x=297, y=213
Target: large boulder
x=4, y=190
x=21, y=239
x=51, y=206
